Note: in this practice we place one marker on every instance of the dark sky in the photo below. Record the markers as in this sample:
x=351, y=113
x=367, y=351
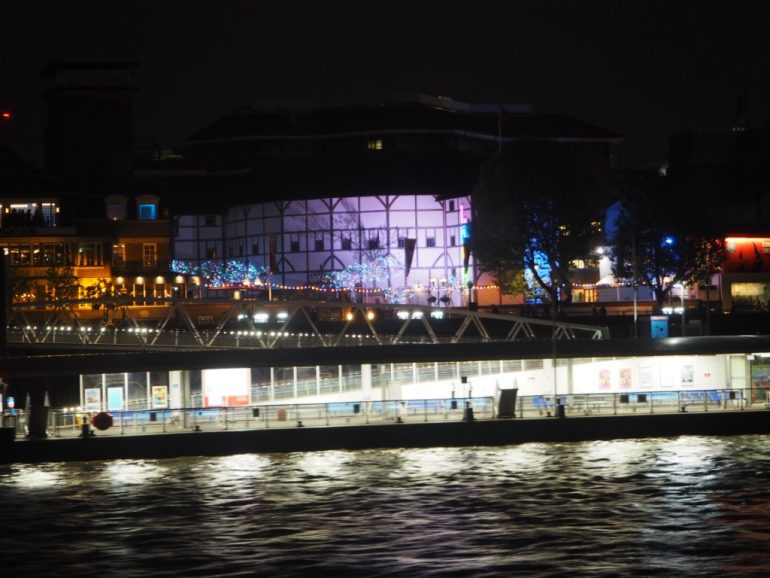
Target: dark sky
x=644, y=69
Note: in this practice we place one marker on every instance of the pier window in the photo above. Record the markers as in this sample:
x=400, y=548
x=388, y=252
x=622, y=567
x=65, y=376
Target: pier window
x=307, y=381
x=283, y=380
x=329, y=378
x=351, y=377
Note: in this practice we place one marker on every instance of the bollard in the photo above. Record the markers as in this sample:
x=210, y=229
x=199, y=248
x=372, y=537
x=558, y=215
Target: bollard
x=85, y=430
x=560, y=411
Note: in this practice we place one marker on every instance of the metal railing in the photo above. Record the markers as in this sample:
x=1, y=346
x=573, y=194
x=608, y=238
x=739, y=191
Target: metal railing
x=675, y=401
x=71, y=423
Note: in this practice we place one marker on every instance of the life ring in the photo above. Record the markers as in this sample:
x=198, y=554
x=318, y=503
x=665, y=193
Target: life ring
x=102, y=421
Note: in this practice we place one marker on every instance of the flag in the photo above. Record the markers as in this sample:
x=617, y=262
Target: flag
x=272, y=243
x=409, y=245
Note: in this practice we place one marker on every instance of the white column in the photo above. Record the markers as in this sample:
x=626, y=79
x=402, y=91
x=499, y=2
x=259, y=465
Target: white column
x=366, y=381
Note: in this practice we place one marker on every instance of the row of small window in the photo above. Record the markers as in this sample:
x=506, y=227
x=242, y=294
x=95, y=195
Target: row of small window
x=346, y=244
x=72, y=254
x=212, y=220
x=54, y=254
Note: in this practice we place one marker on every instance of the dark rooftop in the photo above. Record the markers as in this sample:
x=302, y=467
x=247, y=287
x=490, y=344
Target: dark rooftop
x=402, y=116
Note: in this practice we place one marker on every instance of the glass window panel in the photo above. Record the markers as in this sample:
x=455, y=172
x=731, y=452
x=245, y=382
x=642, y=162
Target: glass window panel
x=137, y=390
x=329, y=378
x=469, y=368
x=351, y=377
x=447, y=370
x=426, y=372
x=403, y=373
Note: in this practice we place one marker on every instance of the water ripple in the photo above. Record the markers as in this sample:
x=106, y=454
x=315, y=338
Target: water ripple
x=685, y=506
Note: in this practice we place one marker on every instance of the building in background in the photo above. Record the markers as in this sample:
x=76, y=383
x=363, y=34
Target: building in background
x=371, y=199
x=82, y=227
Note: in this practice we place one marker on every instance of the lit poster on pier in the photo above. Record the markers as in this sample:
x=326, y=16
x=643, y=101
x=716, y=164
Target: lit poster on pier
x=625, y=378
x=687, y=376
x=115, y=398
x=604, y=379
x=645, y=377
x=93, y=399
x=159, y=396
x=226, y=387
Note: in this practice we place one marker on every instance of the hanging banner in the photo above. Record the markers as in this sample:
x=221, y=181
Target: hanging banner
x=409, y=245
x=272, y=243
x=465, y=238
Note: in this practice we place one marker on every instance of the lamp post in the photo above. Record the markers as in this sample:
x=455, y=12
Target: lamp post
x=554, y=297
x=681, y=294
x=636, y=283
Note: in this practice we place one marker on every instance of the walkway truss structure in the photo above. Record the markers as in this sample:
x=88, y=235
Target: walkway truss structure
x=201, y=324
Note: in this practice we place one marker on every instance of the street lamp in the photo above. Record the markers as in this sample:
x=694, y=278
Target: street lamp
x=681, y=287
x=636, y=284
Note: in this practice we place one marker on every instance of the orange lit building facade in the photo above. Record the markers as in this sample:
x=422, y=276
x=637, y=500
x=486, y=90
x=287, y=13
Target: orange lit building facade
x=746, y=274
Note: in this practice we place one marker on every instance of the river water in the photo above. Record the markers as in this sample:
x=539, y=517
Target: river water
x=689, y=506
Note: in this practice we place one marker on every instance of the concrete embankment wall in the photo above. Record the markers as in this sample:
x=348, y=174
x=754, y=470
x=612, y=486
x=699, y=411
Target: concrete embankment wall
x=482, y=433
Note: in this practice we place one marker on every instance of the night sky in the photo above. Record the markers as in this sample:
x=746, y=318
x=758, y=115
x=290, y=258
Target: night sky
x=644, y=69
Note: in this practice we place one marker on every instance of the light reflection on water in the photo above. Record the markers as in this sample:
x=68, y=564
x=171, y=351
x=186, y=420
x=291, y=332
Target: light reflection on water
x=687, y=506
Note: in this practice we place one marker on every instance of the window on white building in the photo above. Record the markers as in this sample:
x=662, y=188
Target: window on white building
x=346, y=244
x=430, y=241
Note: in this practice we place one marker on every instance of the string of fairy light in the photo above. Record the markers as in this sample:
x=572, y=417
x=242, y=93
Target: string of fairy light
x=237, y=274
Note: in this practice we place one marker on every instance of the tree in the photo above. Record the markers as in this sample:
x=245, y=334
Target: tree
x=375, y=264
x=660, y=242
x=20, y=287
x=61, y=283
x=535, y=211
